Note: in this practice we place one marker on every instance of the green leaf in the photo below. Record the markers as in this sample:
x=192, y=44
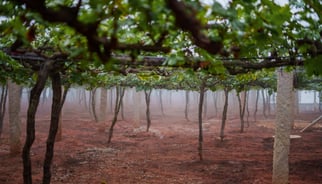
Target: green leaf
x=314, y=66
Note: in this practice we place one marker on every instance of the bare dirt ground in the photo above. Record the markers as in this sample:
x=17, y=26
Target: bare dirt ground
x=166, y=154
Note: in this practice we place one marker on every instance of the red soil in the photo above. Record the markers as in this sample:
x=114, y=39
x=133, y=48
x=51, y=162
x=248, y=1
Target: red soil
x=166, y=154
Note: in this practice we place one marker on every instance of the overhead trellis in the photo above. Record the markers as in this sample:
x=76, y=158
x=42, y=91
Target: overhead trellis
x=233, y=65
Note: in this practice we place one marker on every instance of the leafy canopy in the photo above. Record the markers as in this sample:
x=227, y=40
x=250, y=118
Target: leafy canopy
x=240, y=36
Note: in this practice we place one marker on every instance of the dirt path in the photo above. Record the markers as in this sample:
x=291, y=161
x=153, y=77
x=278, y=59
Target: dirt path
x=166, y=154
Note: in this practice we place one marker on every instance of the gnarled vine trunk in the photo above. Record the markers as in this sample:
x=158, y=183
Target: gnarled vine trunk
x=93, y=104
x=224, y=115
x=45, y=71
x=56, y=107
x=30, y=129
x=241, y=96
x=147, y=101
x=256, y=105
x=119, y=98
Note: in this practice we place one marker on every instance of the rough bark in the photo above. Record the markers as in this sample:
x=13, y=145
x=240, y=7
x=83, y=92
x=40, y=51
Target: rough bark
x=224, y=116
x=30, y=129
x=148, y=114
x=284, y=114
x=3, y=102
x=59, y=135
x=118, y=101
x=15, y=92
x=57, y=104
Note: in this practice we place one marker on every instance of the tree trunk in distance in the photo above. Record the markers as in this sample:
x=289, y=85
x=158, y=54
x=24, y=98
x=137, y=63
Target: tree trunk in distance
x=59, y=134
x=224, y=115
x=122, y=107
x=256, y=105
x=320, y=101
x=201, y=101
x=119, y=98
x=85, y=99
x=315, y=103
x=90, y=109
x=3, y=102
x=264, y=103
x=186, y=110
x=161, y=102
x=15, y=92
x=215, y=103
x=44, y=96
x=147, y=101
x=79, y=96
x=137, y=108
x=111, y=99
x=247, y=108
x=284, y=114
x=268, y=103
x=205, y=106
x=103, y=104
x=94, y=104
x=241, y=96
